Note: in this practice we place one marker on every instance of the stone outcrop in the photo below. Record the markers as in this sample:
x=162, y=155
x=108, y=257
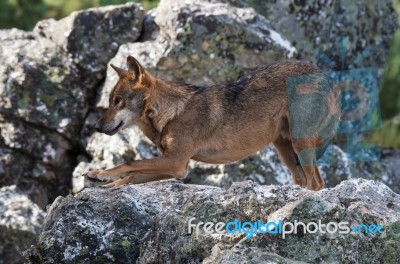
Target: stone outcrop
x=148, y=223
x=20, y=222
x=48, y=79
x=350, y=33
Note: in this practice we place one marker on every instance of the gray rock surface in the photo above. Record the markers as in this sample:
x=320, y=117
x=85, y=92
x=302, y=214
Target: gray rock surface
x=86, y=34
x=148, y=223
x=391, y=157
x=48, y=78
x=315, y=27
x=248, y=255
x=20, y=223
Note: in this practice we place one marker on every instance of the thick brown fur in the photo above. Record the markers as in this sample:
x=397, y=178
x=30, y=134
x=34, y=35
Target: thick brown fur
x=214, y=124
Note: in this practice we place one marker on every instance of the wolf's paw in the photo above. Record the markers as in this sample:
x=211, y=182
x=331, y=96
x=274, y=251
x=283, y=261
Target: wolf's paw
x=97, y=175
x=118, y=183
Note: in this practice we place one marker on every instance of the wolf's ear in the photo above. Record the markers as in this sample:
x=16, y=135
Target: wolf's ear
x=120, y=72
x=134, y=67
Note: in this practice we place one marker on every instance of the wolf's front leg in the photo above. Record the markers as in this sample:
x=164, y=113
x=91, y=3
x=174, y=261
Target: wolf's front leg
x=101, y=175
x=142, y=171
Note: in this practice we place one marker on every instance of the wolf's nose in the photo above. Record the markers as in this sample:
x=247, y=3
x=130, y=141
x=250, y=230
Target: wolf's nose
x=98, y=127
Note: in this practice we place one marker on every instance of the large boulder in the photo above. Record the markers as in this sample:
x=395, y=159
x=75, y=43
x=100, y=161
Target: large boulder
x=48, y=79
x=350, y=33
x=20, y=223
x=40, y=85
x=148, y=223
x=84, y=35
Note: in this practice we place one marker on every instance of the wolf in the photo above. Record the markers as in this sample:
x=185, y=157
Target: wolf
x=221, y=123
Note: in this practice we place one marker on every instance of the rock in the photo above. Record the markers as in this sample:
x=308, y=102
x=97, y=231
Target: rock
x=38, y=85
x=365, y=29
x=14, y=34
x=201, y=43
x=20, y=223
x=48, y=79
x=248, y=255
x=86, y=34
x=42, y=73
x=48, y=147
x=148, y=223
x=35, y=178
x=265, y=168
x=150, y=28
x=343, y=168
x=391, y=161
x=238, y=3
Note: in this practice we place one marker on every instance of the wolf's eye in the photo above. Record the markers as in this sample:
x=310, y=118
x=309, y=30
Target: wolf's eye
x=117, y=100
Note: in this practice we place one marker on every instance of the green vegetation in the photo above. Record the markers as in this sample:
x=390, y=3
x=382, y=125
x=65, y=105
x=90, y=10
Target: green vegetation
x=390, y=93
x=24, y=14
x=389, y=135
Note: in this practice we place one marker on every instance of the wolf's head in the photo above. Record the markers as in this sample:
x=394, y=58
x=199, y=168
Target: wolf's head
x=126, y=101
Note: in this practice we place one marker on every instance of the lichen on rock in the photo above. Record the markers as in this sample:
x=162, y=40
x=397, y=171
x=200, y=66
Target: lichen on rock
x=47, y=80
x=148, y=223
x=365, y=29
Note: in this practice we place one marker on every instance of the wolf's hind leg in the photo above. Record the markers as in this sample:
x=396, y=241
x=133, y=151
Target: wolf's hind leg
x=289, y=157
x=316, y=183
x=306, y=151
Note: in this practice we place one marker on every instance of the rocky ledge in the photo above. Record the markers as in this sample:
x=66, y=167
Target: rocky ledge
x=148, y=223
x=20, y=223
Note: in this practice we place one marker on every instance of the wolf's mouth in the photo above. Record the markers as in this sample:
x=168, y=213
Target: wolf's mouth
x=115, y=130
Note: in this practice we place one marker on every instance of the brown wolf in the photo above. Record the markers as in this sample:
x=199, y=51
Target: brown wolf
x=215, y=124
